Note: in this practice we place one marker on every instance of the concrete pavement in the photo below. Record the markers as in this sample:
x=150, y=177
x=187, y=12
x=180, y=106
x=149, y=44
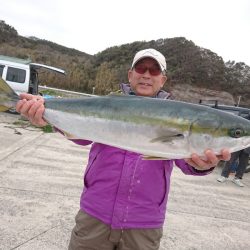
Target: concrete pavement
x=41, y=182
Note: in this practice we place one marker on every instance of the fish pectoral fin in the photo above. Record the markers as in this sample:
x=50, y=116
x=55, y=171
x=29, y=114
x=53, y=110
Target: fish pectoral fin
x=167, y=138
x=148, y=157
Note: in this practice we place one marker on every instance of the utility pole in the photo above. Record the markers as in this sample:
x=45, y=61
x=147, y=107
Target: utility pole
x=239, y=98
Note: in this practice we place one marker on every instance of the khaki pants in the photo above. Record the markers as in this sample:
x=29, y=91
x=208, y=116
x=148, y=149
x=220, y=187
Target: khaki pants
x=91, y=234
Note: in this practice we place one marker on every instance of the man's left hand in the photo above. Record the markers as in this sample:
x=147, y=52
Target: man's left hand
x=210, y=161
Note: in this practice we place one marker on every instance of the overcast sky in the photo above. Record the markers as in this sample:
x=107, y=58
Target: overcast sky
x=91, y=26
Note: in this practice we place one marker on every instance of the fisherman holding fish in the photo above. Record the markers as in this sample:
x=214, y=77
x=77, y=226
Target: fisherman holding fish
x=125, y=194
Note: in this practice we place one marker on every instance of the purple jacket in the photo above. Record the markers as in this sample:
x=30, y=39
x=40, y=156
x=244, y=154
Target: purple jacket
x=125, y=191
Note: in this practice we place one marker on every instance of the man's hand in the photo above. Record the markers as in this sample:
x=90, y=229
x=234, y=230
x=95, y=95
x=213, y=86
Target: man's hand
x=32, y=107
x=211, y=160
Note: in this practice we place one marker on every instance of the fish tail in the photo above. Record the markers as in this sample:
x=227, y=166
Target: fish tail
x=8, y=97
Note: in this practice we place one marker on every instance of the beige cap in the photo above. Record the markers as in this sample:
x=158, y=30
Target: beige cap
x=152, y=53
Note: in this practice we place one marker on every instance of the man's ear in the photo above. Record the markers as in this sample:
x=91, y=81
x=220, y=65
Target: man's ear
x=129, y=74
x=163, y=80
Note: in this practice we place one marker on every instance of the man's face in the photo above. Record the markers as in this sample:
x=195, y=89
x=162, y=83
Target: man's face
x=143, y=80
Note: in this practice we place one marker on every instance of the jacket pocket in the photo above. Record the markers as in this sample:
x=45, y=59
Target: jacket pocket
x=94, y=152
x=163, y=203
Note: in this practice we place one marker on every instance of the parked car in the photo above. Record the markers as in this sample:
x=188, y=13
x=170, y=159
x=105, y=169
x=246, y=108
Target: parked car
x=236, y=110
x=22, y=74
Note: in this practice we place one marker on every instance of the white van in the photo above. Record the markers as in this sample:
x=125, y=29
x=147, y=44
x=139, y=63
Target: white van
x=22, y=75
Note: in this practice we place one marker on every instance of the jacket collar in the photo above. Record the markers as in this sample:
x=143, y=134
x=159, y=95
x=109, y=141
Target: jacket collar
x=126, y=89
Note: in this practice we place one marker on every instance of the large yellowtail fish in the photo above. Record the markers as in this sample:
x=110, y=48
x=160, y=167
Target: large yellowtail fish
x=149, y=126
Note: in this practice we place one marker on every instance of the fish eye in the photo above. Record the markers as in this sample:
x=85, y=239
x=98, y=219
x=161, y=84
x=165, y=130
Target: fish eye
x=236, y=132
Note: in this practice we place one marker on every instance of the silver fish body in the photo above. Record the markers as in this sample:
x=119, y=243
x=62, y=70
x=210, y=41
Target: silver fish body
x=149, y=126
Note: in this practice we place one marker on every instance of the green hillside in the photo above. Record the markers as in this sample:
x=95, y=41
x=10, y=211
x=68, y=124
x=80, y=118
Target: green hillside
x=188, y=64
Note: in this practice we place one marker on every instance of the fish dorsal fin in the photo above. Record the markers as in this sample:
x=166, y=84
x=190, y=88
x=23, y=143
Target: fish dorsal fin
x=167, y=138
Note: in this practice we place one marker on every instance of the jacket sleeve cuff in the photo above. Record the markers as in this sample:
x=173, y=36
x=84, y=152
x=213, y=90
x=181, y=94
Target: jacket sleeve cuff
x=202, y=171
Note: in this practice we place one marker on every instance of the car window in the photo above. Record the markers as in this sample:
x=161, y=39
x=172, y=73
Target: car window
x=16, y=75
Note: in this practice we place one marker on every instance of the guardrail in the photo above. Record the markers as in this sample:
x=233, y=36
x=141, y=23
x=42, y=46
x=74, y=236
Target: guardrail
x=65, y=91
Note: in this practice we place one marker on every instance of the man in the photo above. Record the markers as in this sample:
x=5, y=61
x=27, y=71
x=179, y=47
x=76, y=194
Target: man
x=124, y=199
x=243, y=157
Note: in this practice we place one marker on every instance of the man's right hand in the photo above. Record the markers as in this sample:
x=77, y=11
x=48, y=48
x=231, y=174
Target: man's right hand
x=32, y=107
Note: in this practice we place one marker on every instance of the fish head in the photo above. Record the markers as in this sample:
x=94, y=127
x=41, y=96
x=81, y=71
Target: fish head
x=219, y=132
x=240, y=133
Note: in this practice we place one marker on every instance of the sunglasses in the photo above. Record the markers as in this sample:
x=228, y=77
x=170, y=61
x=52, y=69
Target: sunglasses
x=141, y=69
